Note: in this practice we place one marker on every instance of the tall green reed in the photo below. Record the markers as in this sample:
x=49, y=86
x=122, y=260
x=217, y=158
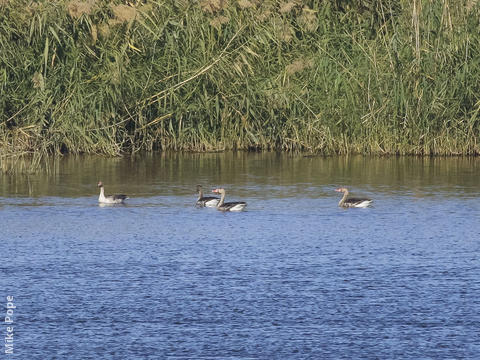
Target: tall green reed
x=382, y=77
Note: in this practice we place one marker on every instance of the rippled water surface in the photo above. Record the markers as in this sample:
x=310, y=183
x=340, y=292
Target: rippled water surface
x=293, y=277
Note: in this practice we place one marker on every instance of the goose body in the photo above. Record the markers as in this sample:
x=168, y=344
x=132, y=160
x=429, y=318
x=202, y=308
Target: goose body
x=346, y=202
x=205, y=201
x=110, y=199
x=228, y=206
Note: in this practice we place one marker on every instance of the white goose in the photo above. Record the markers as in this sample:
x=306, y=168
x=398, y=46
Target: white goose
x=110, y=199
x=352, y=202
x=229, y=206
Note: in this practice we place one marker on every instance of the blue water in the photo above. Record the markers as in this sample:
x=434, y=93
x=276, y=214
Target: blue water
x=293, y=277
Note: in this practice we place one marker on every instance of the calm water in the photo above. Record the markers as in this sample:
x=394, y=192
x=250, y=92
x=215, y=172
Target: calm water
x=293, y=277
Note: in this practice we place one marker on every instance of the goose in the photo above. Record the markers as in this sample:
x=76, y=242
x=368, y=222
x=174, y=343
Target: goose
x=205, y=201
x=352, y=202
x=229, y=206
x=110, y=199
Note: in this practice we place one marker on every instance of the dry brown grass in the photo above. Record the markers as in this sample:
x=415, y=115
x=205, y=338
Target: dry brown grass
x=471, y=4
x=103, y=30
x=213, y=6
x=78, y=8
x=288, y=6
x=245, y=4
x=21, y=141
x=308, y=19
x=285, y=33
x=298, y=66
x=264, y=15
x=124, y=13
x=38, y=82
x=218, y=21
x=94, y=33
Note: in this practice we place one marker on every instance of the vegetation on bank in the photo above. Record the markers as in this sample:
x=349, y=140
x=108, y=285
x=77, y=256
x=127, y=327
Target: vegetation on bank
x=332, y=76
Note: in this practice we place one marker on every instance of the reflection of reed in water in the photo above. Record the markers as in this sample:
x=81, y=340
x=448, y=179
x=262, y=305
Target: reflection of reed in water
x=26, y=163
x=252, y=174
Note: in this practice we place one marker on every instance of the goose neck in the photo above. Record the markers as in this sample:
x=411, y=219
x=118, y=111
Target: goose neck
x=222, y=199
x=345, y=194
x=102, y=193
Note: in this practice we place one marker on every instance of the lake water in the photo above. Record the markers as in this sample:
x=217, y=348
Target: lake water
x=292, y=277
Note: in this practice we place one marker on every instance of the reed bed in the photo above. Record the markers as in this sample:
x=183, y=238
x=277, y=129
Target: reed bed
x=329, y=77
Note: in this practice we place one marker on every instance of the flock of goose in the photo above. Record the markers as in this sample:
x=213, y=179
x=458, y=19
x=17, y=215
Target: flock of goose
x=220, y=204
